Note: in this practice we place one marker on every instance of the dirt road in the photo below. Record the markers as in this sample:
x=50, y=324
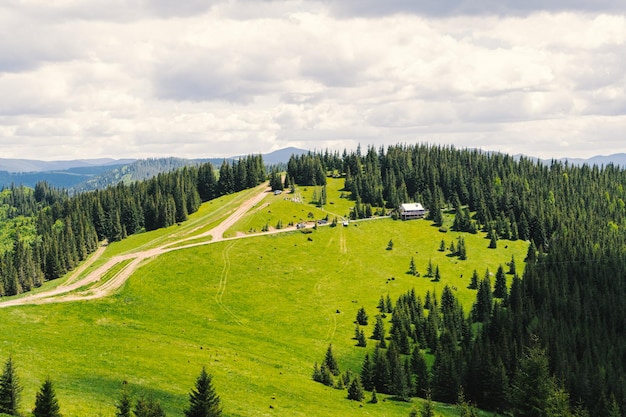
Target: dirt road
x=68, y=291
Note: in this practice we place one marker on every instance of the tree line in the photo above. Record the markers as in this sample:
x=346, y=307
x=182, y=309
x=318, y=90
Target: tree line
x=50, y=232
x=571, y=294
x=203, y=399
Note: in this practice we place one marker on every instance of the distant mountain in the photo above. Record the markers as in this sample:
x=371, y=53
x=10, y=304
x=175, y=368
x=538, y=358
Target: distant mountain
x=618, y=159
x=282, y=156
x=31, y=165
x=139, y=170
x=88, y=174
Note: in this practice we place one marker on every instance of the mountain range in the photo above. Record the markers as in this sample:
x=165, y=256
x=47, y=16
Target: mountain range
x=88, y=174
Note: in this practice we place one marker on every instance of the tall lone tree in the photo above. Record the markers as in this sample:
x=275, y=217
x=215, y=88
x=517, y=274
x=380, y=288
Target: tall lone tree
x=203, y=400
x=10, y=389
x=46, y=403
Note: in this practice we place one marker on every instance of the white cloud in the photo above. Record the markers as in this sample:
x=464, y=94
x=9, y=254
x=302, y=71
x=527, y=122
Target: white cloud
x=154, y=78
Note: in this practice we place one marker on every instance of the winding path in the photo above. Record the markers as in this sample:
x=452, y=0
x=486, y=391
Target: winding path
x=69, y=290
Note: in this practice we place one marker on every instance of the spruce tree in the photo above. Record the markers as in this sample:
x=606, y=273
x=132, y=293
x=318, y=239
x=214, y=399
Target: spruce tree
x=367, y=373
x=428, y=409
x=361, y=341
x=355, y=391
x=374, y=399
x=203, y=400
x=10, y=389
x=148, y=407
x=500, y=289
x=330, y=361
x=361, y=317
x=412, y=268
x=46, y=403
x=532, y=387
x=379, y=328
x=124, y=405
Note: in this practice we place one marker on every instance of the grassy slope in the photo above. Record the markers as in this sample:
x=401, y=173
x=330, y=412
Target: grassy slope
x=257, y=312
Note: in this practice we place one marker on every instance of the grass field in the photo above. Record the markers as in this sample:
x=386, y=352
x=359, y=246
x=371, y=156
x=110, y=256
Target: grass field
x=257, y=312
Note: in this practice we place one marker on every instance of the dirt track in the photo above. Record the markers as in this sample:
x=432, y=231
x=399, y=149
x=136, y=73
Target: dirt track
x=68, y=291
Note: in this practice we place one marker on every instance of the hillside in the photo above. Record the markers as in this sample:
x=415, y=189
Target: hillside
x=160, y=329
x=501, y=279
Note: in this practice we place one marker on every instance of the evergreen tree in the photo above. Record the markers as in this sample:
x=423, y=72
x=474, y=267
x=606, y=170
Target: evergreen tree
x=493, y=242
x=10, y=389
x=374, y=399
x=428, y=408
x=381, y=305
x=481, y=309
x=203, y=400
x=412, y=268
x=361, y=341
x=355, y=391
x=473, y=285
x=367, y=373
x=124, y=405
x=532, y=387
x=500, y=288
x=361, y=317
x=512, y=268
x=330, y=361
x=419, y=369
x=46, y=404
x=437, y=274
x=148, y=407
x=379, y=328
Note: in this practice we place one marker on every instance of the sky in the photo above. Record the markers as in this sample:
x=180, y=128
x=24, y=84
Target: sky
x=197, y=78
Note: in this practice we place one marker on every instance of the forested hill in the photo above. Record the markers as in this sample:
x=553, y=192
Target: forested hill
x=571, y=297
x=44, y=232
x=139, y=170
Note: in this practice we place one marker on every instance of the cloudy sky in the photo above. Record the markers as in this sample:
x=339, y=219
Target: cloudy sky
x=195, y=78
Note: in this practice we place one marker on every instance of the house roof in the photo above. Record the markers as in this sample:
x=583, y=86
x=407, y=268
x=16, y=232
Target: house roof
x=412, y=207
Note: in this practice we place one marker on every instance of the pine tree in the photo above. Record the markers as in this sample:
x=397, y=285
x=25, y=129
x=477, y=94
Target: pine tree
x=437, y=274
x=124, y=405
x=379, y=328
x=412, y=268
x=203, y=400
x=428, y=408
x=361, y=317
x=367, y=373
x=46, y=404
x=374, y=399
x=355, y=391
x=493, y=242
x=10, y=389
x=499, y=288
x=389, y=304
x=148, y=407
x=533, y=386
x=331, y=362
x=473, y=285
x=419, y=368
x=361, y=341
x=381, y=305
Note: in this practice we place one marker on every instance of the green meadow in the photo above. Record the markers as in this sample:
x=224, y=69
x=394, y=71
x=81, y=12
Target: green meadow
x=257, y=312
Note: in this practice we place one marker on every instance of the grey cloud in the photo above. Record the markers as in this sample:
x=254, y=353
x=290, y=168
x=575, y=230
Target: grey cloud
x=372, y=8
x=111, y=10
